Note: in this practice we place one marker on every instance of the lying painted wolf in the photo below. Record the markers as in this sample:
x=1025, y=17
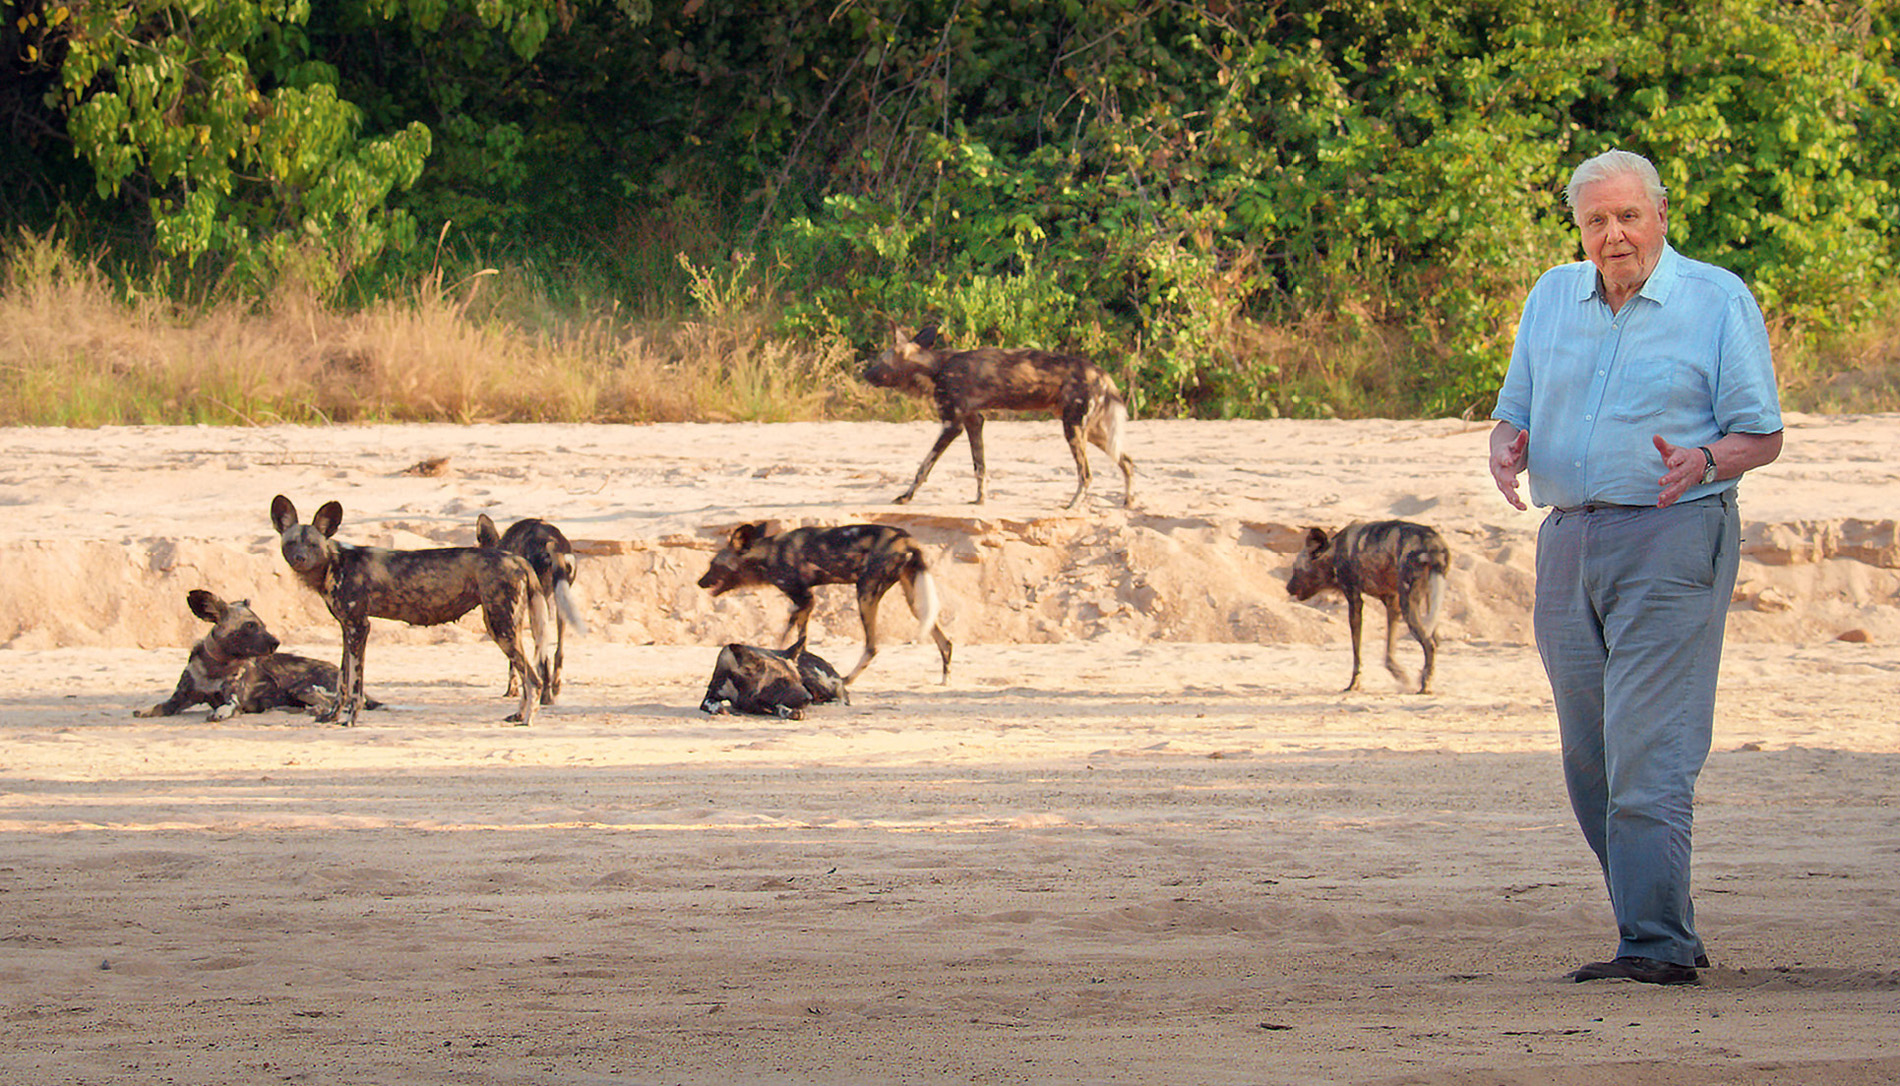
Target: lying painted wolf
x=964, y=384
x=236, y=668
x=770, y=682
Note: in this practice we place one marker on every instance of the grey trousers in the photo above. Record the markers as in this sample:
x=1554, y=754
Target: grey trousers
x=1631, y=605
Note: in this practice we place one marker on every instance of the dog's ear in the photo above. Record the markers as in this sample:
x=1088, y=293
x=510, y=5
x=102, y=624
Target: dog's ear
x=485, y=533
x=328, y=518
x=205, y=605
x=1316, y=540
x=926, y=337
x=746, y=534
x=283, y=515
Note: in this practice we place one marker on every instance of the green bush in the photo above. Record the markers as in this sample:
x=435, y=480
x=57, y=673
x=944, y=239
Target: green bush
x=1164, y=185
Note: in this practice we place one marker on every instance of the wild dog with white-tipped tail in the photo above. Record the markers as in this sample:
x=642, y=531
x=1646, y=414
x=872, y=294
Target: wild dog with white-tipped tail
x=874, y=557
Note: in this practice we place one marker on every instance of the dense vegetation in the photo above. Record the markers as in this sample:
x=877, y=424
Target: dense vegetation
x=1295, y=207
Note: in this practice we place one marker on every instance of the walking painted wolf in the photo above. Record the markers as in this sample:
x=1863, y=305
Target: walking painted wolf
x=770, y=682
x=236, y=668
x=422, y=588
x=1396, y=562
x=964, y=384
x=552, y=559
x=872, y=556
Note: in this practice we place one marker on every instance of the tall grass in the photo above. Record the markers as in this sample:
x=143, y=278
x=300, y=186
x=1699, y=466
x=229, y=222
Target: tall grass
x=81, y=347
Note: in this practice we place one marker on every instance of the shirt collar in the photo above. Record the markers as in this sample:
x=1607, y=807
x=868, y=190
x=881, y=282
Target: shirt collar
x=1657, y=288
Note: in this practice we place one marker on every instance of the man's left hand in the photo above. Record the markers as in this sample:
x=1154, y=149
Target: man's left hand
x=1682, y=469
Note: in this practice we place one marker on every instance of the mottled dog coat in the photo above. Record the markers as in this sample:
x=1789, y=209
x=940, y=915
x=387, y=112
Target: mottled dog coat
x=551, y=556
x=236, y=668
x=872, y=556
x=770, y=682
x=964, y=384
x=1396, y=562
x=422, y=588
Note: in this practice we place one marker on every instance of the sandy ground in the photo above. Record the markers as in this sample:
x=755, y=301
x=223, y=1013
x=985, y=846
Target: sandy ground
x=1141, y=836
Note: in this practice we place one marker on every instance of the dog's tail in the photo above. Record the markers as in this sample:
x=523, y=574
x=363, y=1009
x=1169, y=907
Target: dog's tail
x=921, y=589
x=924, y=601
x=1435, y=572
x=1110, y=424
x=565, y=598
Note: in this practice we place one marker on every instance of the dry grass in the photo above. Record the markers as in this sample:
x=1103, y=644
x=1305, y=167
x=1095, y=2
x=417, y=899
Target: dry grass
x=1845, y=373
x=79, y=351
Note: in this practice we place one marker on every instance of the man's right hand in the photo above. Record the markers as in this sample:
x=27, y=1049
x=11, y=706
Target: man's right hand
x=1510, y=455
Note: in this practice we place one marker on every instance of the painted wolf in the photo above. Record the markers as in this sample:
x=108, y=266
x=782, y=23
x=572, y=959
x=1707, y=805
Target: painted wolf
x=1398, y=563
x=236, y=668
x=552, y=559
x=872, y=556
x=964, y=384
x=422, y=588
x=770, y=682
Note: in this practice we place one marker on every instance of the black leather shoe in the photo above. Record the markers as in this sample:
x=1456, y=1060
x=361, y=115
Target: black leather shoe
x=1641, y=970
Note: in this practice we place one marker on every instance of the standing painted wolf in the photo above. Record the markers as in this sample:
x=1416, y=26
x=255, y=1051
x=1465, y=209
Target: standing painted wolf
x=770, y=682
x=236, y=668
x=552, y=558
x=422, y=588
x=1396, y=562
x=964, y=384
x=872, y=556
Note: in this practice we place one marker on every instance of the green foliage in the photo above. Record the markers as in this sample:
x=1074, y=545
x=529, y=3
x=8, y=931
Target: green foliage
x=224, y=123
x=1159, y=183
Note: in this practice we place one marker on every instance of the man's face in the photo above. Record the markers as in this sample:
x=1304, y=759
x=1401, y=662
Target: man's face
x=1623, y=230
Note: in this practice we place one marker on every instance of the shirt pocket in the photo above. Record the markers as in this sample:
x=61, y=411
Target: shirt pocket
x=1655, y=387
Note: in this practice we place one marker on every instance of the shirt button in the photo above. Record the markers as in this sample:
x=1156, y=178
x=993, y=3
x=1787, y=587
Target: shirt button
x=1587, y=418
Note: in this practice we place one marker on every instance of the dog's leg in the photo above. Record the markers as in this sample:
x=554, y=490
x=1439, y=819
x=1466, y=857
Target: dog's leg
x=974, y=424
x=1393, y=609
x=530, y=686
x=538, y=620
x=504, y=606
x=344, y=669
x=801, y=617
x=951, y=428
x=560, y=655
x=1355, y=611
x=349, y=697
x=361, y=639
x=1421, y=615
x=185, y=694
x=1072, y=430
x=870, y=593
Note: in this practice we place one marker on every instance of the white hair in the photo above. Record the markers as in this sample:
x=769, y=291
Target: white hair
x=1615, y=164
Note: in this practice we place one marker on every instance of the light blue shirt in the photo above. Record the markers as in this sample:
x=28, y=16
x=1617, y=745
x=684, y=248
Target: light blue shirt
x=1687, y=359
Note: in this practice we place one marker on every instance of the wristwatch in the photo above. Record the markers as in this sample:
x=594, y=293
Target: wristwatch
x=1708, y=473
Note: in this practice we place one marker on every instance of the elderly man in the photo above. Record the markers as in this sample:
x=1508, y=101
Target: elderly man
x=1640, y=390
